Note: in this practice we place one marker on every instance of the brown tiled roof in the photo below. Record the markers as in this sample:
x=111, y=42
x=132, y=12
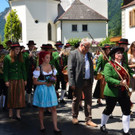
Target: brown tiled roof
x=130, y=4
x=79, y=11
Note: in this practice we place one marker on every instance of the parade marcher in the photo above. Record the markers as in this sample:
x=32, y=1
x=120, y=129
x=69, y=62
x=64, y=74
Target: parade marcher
x=59, y=61
x=99, y=89
x=131, y=62
x=45, y=94
x=80, y=76
x=8, y=45
x=22, y=48
x=115, y=90
x=124, y=44
x=47, y=47
x=15, y=79
x=30, y=57
x=3, y=88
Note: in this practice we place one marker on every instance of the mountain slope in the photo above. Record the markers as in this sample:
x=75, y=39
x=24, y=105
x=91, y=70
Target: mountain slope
x=2, y=22
x=114, y=15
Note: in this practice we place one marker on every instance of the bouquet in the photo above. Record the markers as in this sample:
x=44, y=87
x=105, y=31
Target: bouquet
x=50, y=79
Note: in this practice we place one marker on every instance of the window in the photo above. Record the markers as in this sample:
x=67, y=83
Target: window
x=74, y=27
x=84, y=27
x=132, y=18
x=49, y=32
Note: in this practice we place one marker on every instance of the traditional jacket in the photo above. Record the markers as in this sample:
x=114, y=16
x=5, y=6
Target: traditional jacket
x=56, y=61
x=3, y=53
x=30, y=62
x=100, y=64
x=15, y=70
x=112, y=79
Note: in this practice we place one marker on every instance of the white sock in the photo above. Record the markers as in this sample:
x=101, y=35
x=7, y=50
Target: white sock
x=126, y=123
x=4, y=97
x=29, y=98
x=62, y=94
x=104, y=119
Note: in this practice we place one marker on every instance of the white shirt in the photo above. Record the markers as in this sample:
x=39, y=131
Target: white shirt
x=87, y=67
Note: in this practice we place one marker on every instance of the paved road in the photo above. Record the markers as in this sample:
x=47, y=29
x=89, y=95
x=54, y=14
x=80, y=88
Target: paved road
x=29, y=125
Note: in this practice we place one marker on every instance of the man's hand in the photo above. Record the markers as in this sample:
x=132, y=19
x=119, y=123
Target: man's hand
x=25, y=83
x=72, y=87
x=7, y=84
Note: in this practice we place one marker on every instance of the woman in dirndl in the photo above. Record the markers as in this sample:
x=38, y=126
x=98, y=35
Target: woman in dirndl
x=15, y=80
x=45, y=95
x=131, y=62
x=99, y=89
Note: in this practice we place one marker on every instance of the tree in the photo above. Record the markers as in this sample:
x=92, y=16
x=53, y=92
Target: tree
x=13, y=28
x=0, y=39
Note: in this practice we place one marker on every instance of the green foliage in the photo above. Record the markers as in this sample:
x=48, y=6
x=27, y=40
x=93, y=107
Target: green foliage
x=106, y=41
x=74, y=41
x=0, y=40
x=13, y=28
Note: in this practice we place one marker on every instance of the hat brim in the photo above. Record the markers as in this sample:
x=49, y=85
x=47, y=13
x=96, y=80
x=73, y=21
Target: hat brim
x=114, y=50
x=106, y=47
x=123, y=43
x=31, y=44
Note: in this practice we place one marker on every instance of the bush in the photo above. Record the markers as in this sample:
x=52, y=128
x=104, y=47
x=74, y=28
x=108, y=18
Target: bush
x=74, y=41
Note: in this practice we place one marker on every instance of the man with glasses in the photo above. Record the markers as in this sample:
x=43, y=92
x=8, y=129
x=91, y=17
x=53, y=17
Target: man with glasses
x=80, y=75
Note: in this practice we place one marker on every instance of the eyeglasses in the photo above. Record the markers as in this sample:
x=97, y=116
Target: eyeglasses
x=87, y=47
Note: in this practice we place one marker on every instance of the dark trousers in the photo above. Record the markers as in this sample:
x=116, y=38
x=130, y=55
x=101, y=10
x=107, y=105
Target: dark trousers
x=60, y=78
x=77, y=94
x=3, y=90
x=30, y=84
x=124, y=102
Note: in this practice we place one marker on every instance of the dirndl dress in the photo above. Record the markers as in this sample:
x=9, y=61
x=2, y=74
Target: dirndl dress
x=44, y=96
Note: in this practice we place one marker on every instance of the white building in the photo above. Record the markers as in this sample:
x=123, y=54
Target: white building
x=51, y=20
x=128, y=20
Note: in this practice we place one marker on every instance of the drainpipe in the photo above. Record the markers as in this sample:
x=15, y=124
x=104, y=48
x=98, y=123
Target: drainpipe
x=61, y=31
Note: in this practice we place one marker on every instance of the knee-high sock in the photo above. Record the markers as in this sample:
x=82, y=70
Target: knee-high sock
x=0, y=100
x=62, y=94
x=104, y=119
x=4, y=97
x=126, y=123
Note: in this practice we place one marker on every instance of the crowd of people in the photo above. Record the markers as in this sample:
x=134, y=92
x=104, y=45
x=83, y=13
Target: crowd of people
x=26, y=72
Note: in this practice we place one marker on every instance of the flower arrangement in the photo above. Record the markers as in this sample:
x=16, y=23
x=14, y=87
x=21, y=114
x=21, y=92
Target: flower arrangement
x=50, y=79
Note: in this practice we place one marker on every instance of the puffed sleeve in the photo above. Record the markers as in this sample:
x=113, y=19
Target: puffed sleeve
x=36, y=73
x=54, y=71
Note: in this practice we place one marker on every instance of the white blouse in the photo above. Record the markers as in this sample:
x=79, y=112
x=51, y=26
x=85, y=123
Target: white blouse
x=36, y=73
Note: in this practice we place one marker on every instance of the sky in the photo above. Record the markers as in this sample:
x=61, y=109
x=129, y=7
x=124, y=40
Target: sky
x=3, y=4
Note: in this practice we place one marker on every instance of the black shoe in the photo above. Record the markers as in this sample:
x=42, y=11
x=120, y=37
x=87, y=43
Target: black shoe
x=128, y=133
x=99, y=103
x=111, y=116
x=80, y=108
x=42, y=130
x=103, y=129
x=62, y=101
x=57, y=132
x=18, y=118
x=10, y=117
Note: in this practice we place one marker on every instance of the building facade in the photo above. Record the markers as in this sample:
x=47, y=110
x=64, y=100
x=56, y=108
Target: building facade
x=45, y=20
x=128, y=20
